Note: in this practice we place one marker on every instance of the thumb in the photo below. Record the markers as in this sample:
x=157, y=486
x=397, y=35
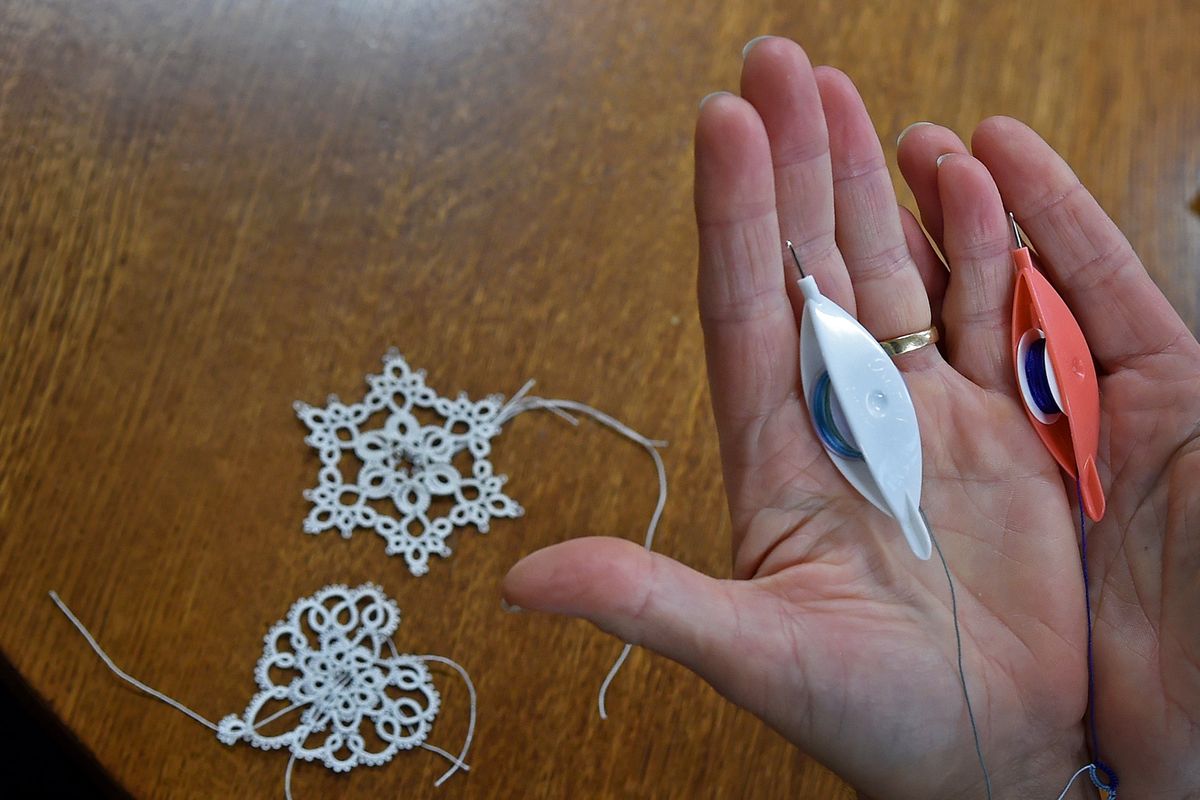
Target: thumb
x=643, y=598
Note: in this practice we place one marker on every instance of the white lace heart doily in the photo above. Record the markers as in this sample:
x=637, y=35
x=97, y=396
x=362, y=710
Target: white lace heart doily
x=333, y=661
x=326, y=680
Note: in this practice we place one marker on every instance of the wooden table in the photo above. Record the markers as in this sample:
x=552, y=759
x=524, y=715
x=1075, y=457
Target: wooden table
x=211, y=209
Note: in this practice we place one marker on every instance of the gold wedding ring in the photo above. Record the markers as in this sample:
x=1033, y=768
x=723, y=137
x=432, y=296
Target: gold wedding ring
x=910, y=341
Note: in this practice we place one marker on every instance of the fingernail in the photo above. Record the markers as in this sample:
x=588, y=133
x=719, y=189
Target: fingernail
x=710, y=96
x=943, y=157
x=904, y=132
x=750, y=44
x=509, y=607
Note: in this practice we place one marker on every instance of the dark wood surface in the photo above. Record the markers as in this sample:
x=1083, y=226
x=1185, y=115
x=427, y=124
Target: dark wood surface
x=211, y=209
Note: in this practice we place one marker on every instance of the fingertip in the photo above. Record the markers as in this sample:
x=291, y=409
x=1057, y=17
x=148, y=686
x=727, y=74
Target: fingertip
x=1030, y=174
x=999, y=123
x=727, y=130
x=912, y=126
x=851, y=131
x=917, y=155
x=576, y=576
x=837, y=89
x=733, y=161
x=773, y=52
x=720, y=629
x=725, y=112
x=838, y=93
x=958, y=172
x=777, y=79
x=999, y=133
x=974, y=212
x=978, y=244
x=924, y=141
x=636, y=595
x=951, y=164
x=753, y=43
x=710, y=96
x=833, y=76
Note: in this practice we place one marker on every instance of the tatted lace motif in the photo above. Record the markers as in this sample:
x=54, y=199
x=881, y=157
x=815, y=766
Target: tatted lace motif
x=343, y=684
x=406, y=464
x=412, y=464
x=330, y=650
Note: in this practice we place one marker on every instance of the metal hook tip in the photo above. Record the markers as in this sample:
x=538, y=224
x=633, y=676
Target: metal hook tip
x=796, y=258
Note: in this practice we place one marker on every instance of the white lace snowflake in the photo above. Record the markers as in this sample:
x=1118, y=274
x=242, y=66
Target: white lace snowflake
x=405, y=463
x=340, y=686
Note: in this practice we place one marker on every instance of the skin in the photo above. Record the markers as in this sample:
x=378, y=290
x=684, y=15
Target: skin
x=830, y=630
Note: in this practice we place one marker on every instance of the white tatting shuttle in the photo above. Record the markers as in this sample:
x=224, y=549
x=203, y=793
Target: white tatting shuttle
x=862, y=412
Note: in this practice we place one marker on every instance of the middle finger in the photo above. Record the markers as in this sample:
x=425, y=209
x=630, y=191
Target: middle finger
x=890, y=296
x=778, y=80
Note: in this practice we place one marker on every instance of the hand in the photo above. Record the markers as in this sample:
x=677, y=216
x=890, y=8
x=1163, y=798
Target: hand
x=1144, y=556
x=831, y=630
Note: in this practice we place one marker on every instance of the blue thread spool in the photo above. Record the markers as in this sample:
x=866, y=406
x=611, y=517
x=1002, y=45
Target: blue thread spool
x=1036, y=379
x=1036, y=368
x=826, y=424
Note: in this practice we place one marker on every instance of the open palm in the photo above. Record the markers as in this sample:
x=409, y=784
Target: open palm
x=1144, y=556
x=831, y=630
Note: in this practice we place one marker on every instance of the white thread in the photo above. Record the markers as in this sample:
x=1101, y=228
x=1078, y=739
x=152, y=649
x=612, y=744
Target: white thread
x=122, y=674
x=287, y=773
x=331, y=643
x=515, y=406
x=453, y=759
x=287, y=778
x=521, y=403
x=608, y=679
x=406, y=464
x=459, y=761
x=1078, y=772
x=341, y=683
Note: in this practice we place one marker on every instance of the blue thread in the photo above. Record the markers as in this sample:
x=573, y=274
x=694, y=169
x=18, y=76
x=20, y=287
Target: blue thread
x=1038, y=380
x=827, y=430
x=1113, y=783
x=1097, y=764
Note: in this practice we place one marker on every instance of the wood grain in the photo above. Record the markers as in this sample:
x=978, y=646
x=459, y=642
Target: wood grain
x=211, y=209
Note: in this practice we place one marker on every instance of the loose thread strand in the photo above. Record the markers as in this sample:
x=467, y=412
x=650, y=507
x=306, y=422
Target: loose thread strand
x=453, y=759
x=520, y=402
x=1091, y=770
x=287, y=773
x=122, y=674
x=1097, y=763
x=287, y=778
x=1087, y=610
x=459, y=762
x=1071, y=782
x=962, y=674
x=608, y=679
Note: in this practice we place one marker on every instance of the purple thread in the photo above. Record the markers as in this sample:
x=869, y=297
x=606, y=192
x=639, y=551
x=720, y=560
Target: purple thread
x=1097, y=764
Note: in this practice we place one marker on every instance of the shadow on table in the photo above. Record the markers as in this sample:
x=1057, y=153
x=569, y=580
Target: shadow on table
x=41, y=757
